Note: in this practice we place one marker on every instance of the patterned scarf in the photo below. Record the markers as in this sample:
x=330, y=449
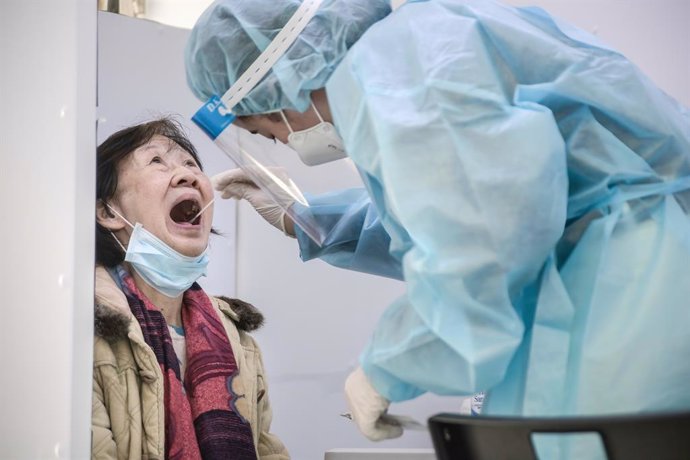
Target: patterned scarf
x=202, y=420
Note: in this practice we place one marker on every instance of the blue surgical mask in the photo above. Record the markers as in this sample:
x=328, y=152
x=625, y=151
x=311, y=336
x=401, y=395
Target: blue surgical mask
x=159, y=265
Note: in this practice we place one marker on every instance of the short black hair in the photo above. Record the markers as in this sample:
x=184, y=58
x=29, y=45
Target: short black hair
x=110, y=154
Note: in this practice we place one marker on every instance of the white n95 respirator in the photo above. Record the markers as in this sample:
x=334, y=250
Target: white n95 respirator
x=316, y=145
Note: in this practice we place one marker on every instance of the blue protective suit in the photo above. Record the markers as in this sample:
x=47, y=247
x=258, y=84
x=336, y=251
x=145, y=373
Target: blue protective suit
x=530, y=186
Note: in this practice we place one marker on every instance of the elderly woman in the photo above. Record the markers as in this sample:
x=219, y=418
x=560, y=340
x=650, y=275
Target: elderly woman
x=176, y=374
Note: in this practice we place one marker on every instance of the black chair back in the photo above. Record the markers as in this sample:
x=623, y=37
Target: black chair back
x=625, y=437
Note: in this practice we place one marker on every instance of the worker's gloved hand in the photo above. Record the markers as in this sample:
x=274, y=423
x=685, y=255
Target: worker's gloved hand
x=236, y=183
x=367, y=407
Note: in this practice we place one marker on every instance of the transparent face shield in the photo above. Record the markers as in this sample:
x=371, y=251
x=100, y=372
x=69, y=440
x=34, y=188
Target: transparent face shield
x=272, y=166
x=277, y=170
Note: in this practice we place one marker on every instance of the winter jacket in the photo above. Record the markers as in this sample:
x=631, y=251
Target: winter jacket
x=127, y=415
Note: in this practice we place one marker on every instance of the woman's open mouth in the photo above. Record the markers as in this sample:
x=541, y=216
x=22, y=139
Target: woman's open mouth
x=186, y=212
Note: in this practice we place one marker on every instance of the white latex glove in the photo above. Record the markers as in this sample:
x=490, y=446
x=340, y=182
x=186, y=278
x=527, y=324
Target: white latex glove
x=368, y=408
x=236, y=183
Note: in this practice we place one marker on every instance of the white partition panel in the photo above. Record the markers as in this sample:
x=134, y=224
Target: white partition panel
x=47, y=144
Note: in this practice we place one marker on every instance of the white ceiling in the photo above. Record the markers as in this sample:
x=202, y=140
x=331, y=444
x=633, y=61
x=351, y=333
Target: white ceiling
x=178, y=13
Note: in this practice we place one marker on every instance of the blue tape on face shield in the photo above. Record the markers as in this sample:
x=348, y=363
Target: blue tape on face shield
x=269, y=168
x=159, y=265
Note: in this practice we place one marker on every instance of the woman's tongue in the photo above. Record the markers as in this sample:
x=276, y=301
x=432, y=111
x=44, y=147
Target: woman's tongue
x=185, y=213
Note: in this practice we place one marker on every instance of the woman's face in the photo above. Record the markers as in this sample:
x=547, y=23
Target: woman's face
x=161, y=186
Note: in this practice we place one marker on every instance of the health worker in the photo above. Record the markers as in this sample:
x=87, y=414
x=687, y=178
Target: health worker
x=528, y=183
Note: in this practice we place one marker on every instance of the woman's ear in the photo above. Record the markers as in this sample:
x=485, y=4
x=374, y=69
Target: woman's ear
x=107, y=218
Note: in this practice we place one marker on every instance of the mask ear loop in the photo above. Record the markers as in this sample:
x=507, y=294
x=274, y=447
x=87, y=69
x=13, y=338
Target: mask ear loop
x=118, y=242
x=282, y=114
x=111, y=232
x=317, y=112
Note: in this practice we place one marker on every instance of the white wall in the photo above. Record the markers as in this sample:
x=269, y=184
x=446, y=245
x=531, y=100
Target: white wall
x=47, y=141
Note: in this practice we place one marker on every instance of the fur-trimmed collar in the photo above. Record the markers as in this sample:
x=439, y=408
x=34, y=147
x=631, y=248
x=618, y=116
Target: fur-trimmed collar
x=112, y=316
x=246, y=316
x=109, y=323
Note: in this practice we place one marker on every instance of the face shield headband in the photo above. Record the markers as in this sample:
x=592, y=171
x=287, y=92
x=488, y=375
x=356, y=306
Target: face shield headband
x=314, y=145
x=216, y=114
